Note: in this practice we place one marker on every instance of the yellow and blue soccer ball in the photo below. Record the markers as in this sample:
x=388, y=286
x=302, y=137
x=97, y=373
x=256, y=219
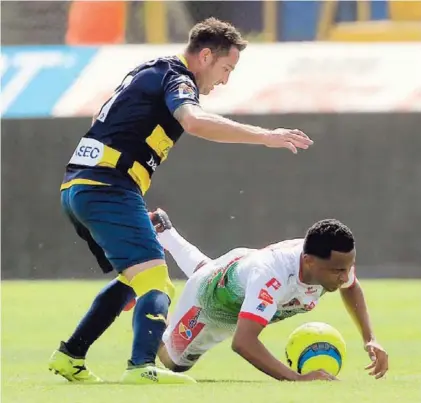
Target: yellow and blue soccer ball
x=314, y=346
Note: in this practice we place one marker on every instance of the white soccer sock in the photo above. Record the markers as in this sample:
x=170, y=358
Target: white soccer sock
x=186, y=255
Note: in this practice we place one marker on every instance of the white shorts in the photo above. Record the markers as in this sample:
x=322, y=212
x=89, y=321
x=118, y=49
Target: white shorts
x=189, y=335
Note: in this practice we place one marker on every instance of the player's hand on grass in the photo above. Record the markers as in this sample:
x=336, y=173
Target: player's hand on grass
x=379, y=358
x=319, y=375
x=288, y=138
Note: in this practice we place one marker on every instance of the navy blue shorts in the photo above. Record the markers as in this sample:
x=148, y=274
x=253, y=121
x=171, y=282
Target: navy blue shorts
x=115, y=224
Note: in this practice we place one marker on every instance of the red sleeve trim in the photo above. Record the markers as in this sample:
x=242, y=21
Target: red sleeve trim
x=355, y=280
x=253, y=317
x=353, y=283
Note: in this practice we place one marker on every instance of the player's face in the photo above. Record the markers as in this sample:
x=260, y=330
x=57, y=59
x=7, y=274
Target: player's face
x=216, y=69
x=331, y=273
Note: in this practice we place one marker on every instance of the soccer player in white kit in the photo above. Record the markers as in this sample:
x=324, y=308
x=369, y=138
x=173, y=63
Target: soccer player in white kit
x=239, y=293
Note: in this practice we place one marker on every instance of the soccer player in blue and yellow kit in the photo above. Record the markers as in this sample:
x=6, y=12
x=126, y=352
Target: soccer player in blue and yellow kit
x=109, y=173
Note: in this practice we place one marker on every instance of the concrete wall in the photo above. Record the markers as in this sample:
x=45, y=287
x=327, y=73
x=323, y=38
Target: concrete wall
x=364, y=169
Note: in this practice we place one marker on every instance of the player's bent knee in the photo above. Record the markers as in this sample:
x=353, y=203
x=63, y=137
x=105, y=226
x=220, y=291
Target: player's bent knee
x=152, y=275
x=180, y=368
x=168, y=362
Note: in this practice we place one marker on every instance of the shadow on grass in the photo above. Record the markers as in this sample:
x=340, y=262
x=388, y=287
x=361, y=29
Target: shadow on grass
x=228, y=381
x=199, y=381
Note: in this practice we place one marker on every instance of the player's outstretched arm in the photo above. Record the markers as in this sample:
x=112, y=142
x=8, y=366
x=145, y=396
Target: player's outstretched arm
x=355, y=303
x=247, y=344
x=213, y=127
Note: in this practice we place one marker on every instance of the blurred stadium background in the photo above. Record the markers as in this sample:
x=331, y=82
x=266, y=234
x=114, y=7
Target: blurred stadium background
x=345, y=72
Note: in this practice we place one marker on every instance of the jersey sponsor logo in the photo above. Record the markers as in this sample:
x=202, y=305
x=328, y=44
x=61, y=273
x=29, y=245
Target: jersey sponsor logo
x=152, y=375
x=310, y=306
x=186, y=91
x=292, y=308
x=193, y=320
x=274, y=283
x=182, y=78
x=88, y=152
x=186, y=330
x=310, y=290
x=265, y=296
x=294, y=302
x=262, y=306
x=152, y=163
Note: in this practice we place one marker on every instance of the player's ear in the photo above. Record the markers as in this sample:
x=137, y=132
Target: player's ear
x=205, y=56
x=308, y=259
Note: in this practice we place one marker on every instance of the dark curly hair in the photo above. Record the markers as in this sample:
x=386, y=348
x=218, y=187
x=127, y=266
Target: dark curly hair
x=326, y=236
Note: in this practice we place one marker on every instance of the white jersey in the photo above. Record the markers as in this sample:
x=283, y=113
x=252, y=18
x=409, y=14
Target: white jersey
x=261, y=285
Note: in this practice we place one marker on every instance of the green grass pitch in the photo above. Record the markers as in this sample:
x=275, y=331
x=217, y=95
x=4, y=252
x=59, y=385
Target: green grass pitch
x=37, y=315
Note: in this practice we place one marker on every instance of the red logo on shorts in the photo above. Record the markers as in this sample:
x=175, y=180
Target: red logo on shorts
x=186, y=330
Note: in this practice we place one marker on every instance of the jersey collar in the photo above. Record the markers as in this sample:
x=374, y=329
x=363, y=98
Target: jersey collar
x=300, y=272
x=300, y=280
x=183, y=60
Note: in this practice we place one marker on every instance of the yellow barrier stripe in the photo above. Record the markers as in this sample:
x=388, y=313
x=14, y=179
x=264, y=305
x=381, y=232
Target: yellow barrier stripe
x=363, y=10
x=326, y=19
x=270, y=16
x=155, y=21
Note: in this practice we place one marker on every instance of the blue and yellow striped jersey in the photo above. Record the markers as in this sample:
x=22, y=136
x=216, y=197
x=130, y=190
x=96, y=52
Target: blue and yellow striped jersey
x=135, y=129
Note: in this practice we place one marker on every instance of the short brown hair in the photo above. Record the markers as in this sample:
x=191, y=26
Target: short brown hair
x=218, y=36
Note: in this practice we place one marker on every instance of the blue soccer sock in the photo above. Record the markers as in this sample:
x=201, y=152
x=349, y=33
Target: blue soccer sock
x=107, y=305
x=149, y=324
